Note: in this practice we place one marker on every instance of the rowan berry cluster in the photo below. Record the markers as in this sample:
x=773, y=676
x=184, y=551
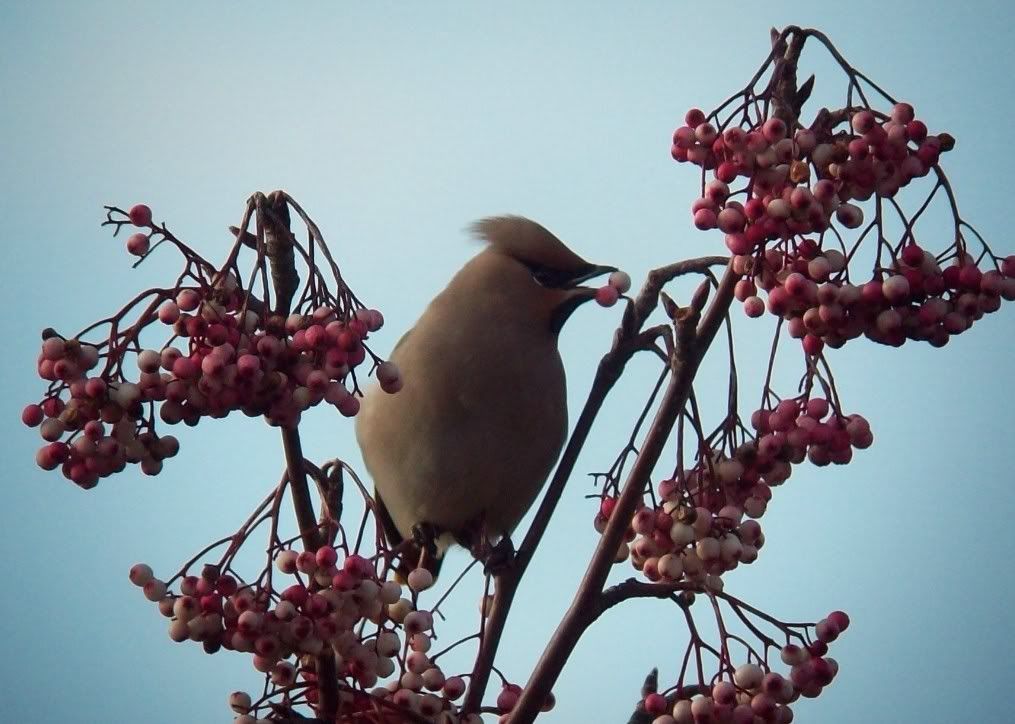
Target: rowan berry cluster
x=226, y=353
x=912, y=299
x=804, y=181
x=329, y=604
x=753, y=692
x=275, y=366
x=704, y=522
x=798, y=180
x=94, y=425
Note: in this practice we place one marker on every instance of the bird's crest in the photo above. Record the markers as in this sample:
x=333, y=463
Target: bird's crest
x=528, y=242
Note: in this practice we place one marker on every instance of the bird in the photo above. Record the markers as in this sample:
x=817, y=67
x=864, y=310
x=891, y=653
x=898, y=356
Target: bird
x=461, y=451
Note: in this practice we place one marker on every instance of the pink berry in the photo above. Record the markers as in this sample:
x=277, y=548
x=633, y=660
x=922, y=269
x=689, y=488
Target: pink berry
x=621, y=281
x=655, y=704
x=896, y=289
x=916, y=131
x=694, y=118
x=705, y=219
x=840, y=619
x=454, y=687
x=32, y=415
x=420, y=579
x=239, y=701
x=813, y=344
x=358, y=566
x=53, y=348
x=849, y=216
x=389, y=377
x=731, y=220
x=754, y=307
x=863, y=122
x=140, y=574
x=827, y=630
x=607, y=296
x=774, y=130
x=188, y=300
x=349, y=406
x=137, y=244
x=326, y=556
x=140, y=215
x=705, y=133
x=912, y=255
x=902, y=113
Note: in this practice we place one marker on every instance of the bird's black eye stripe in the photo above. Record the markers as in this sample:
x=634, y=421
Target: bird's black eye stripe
x=547, y=277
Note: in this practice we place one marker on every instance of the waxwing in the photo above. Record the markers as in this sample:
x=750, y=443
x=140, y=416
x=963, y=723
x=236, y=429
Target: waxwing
x=460, y=453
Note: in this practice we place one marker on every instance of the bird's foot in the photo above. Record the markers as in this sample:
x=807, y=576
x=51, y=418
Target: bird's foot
x=498, y=558
x=425, y=535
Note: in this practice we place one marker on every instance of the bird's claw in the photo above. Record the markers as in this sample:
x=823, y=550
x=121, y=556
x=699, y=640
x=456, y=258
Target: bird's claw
x=498, y=558
x=424, y=535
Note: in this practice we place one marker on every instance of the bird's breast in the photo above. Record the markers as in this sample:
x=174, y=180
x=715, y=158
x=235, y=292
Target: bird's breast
x=476, y=428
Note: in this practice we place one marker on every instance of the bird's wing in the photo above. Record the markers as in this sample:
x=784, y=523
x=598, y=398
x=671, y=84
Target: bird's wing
x=390, y=531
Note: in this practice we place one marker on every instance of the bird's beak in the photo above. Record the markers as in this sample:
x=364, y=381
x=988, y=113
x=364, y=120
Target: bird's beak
x=592, y=272
x=576, y=294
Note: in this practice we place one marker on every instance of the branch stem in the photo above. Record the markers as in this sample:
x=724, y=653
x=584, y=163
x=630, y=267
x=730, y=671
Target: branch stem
x=585, y=604
x=610, y=368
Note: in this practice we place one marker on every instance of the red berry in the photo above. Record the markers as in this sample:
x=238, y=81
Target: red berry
x=326, y=556
x=140, y=215
x=863, y=122
x=774, y=130
x=727, y=171
x=137, y=244
x=840, y=619
x=32, y=415
x=607, y=296
x=916, y=131
x=694, y=118
x=912, y=255
x=655, y=704
x=813, y=344
x=754, y=307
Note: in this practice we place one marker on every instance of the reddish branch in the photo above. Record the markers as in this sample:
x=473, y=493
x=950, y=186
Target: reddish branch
x=285, y=281
x=626, y=343
x=696, y=337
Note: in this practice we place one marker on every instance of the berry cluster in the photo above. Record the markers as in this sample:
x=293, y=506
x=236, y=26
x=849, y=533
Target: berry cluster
x=799, y=180
x=329, y=604
x=799, y=429
x=102, y=419
x=913, y=299
x=274, y=366
x=705, y=521
x=753, y=692
x=234, y=359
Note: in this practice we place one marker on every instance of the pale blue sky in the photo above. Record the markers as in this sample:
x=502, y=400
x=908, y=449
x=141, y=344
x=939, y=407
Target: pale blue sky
x=395, y=125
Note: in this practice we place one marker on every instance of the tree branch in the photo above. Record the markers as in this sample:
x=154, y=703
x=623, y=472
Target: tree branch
x=580, y=615
x=279, y=250
x=610, y=368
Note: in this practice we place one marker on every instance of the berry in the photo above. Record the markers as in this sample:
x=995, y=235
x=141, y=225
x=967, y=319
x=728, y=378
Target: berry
x=607, y=296
x=137, y=244
x=140, y=215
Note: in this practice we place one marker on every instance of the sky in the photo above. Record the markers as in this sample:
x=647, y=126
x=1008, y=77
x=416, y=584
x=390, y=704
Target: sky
x=396, y=125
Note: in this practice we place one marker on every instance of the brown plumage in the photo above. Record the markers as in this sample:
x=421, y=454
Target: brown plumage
x=468, y=442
